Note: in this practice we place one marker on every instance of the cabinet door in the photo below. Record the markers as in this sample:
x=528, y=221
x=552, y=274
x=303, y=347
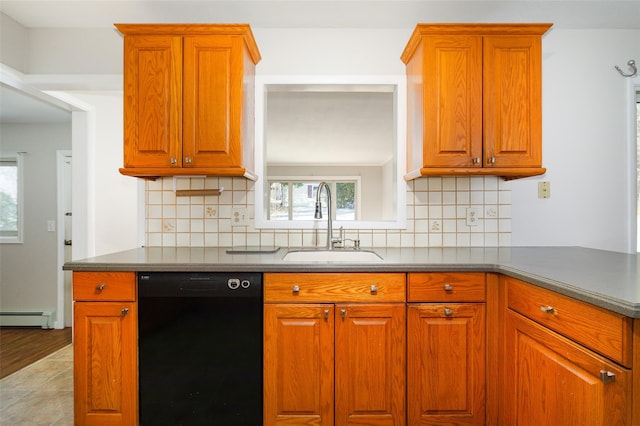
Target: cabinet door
x=298, y=364
x=446, y=364
x=512, y=101
x=105, y=363
x=370, y=364
x=152, y=101
x=213, y=79
x=452, y=101
x=552, y=380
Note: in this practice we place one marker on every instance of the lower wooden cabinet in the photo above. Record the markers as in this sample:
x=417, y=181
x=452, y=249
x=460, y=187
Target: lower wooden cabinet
x=391, y=349
x=446, y=364
x=370, y=364
x=105, y=349
x=566, y=362
x=552, y=380
x=298, y=364
x=334, y=363
x=446, y=348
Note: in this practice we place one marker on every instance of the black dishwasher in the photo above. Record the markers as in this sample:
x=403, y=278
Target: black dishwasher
x=200, y=348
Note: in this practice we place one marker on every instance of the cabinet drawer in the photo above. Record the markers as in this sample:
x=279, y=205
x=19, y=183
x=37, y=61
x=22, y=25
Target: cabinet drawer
x=603, y=331
x=98, y=286
x=334, y=287
x=446, y=287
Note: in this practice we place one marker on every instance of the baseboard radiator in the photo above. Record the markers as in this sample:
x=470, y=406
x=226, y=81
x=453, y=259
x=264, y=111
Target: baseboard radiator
x=27, y=319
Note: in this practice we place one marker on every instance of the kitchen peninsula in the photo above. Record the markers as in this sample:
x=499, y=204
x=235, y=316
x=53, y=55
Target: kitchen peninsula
x=557, y=318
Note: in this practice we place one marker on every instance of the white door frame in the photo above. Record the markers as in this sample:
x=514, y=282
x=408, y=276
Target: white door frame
x=633, y=86
x=61, y=157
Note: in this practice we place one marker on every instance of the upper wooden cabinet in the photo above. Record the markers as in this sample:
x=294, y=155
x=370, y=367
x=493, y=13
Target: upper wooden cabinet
x=474, y=100
x=188, y=100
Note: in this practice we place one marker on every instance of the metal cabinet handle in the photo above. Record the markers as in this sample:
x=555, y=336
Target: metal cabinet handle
x=100, y=287
x=491, y=160
x=448, y=287
x=296, y=288
x=326, y=313
x=607, y=376
x=124, y=311
x=448, y=312
x=187, y=160
x=476, y=160
x=374, y=288
x=173, y=161
x=547, y=309
x=343, y=313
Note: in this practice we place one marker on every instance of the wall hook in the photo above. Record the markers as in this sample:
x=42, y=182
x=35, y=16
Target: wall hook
x=632, y=66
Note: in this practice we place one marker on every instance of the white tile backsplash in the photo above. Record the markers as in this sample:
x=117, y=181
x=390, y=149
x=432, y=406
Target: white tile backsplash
x=436, y=215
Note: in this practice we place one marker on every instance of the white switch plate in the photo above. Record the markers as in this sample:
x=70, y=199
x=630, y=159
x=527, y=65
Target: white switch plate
x=51, y=226
x=473, y=216
x=544, y=189
x=239, y=216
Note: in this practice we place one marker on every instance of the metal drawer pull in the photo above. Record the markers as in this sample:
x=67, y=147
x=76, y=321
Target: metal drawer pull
x=124, y=311
x=374, y=289
x=607, y=376
x=448, y=287
x=326, y=313
x=296, y=289
x=547, y=309
x=100, y=287
x=343, y=313
x=448, y=312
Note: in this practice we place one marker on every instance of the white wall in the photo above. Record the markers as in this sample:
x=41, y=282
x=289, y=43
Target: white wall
x=584, y=128
x=115, y=210
x=304, y=51
x=585, y=144
x=75, y=51
x=29, y=271
x=13, y=43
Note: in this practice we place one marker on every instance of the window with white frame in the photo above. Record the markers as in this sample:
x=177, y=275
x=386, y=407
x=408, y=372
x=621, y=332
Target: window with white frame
x=295, y=198
x=11, y=199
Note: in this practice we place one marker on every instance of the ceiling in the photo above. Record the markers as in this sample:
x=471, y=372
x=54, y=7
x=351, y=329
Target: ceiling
x=321, y=13
x=19, y=108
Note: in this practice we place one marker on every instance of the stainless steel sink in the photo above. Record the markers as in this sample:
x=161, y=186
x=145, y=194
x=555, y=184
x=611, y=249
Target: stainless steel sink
x=353, y=256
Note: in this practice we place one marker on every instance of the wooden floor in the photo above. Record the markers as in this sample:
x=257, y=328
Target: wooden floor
x=21, y=346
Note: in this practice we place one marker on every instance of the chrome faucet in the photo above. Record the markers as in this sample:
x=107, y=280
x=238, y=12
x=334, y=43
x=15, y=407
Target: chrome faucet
x=318, y=214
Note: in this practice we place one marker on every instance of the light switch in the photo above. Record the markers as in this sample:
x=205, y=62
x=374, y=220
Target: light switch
x=544, y=189
x=51, y=226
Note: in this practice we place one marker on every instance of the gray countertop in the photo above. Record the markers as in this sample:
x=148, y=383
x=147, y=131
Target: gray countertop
x=607, y=279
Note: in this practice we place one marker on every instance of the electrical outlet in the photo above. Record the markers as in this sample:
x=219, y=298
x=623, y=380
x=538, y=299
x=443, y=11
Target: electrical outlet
x=239, y=216
x=473, y=216
x=544, y=189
